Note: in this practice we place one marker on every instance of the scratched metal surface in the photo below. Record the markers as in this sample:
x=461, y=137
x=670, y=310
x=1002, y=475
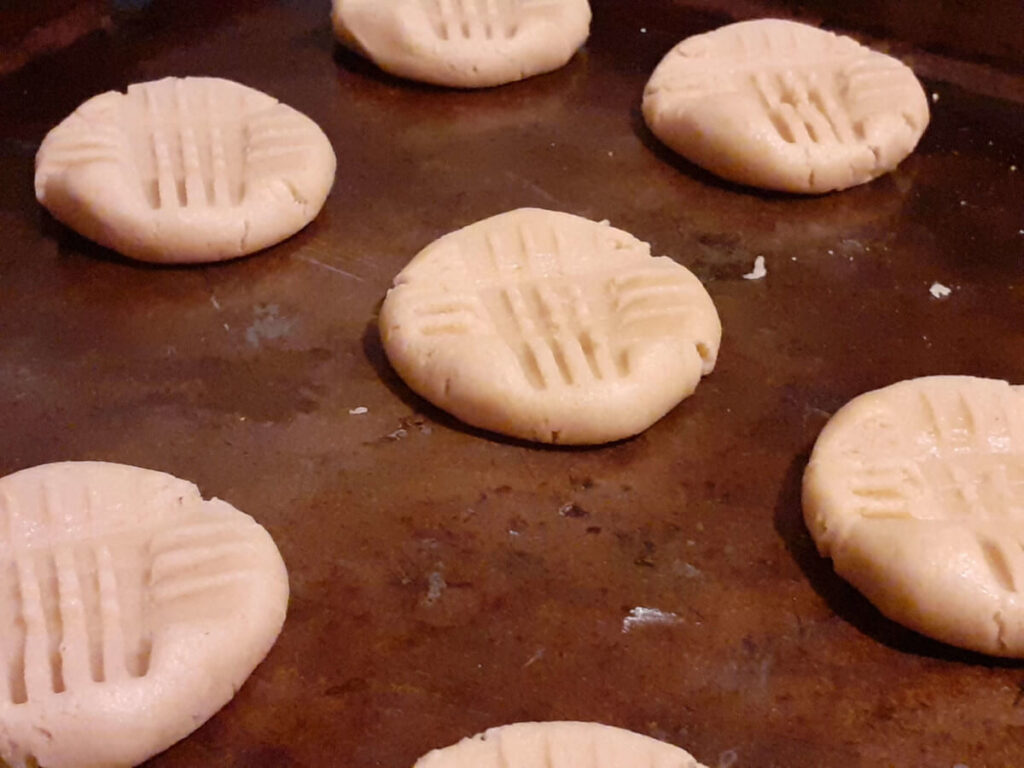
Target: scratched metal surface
x=445, y=580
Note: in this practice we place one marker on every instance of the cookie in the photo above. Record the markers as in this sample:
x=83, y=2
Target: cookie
x=185, y=170
x=549, y=327
x=785, y=106
x=916, y=492
x=132, y=610
x=463, y=43
x=558, y=745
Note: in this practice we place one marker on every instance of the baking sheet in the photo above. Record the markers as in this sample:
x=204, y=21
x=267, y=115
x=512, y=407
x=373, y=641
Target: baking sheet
x=445, y=580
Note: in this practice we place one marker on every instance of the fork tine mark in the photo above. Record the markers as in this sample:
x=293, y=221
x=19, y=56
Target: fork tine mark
x=192, y=586
x=166, y=185
x=37, y=670
x=114, y=650
x=74, y=649
x=172, y=564
x=219, y=191
x=195, y=187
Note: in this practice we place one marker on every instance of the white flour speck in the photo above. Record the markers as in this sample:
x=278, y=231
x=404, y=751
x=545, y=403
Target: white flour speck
x=535, y=658
x=358, y=410
x=640, y=615
x=759, y=270
x=935, y=97
x=940, y=291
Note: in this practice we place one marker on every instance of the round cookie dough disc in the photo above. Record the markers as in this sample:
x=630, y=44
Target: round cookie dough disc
x=185, y=170
x=558, y=745
x=464, y=43
x=549, y=327
x=131, y=611
x=785, y=106
x=916, y=492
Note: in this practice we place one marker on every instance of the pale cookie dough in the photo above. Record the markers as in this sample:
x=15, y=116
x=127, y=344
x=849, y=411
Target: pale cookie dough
x=131, y=610
x=463, y=43
x=558, y=745
x=549, y=327
x=185, y=170
x=916, y=492
x=785, y=106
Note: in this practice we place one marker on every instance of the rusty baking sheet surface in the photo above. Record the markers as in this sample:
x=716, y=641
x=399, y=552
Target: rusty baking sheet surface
x=446, y=580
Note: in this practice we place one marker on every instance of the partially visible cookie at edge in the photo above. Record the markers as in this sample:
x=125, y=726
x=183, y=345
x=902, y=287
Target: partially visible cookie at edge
x=916, y=493
x=549, y=327
x=559, y=744
x=131, y=611
x=185, y=170
x=785, y=106
x=463, y=43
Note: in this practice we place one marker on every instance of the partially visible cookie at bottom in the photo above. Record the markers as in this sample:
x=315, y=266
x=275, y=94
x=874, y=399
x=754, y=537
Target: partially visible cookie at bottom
x=549, y=327
x=564, y=744
x=916, y=493
x=131, y=610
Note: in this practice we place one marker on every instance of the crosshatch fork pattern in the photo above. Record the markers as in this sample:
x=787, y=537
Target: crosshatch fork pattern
x=479, y=20
x=81, y=610
x=188, y=143
x=814, y=89
x=971, y=469
x=206, y=143
x=564, y=330
x=71, y=622
x=916, y=491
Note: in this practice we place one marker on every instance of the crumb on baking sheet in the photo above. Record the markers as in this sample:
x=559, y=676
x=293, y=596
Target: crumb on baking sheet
x=940, y=291
x=359, y=410
x=640, y=615
x=759, y=270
